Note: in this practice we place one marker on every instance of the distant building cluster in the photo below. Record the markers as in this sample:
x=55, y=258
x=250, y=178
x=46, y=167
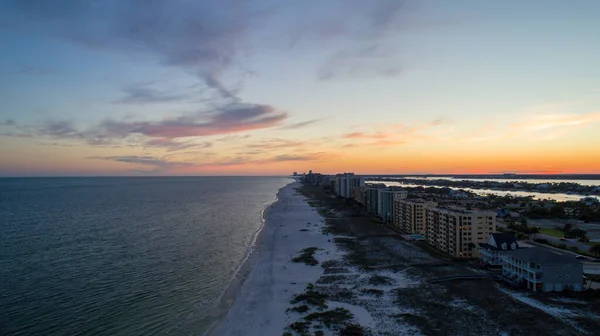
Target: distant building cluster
x=458, y=231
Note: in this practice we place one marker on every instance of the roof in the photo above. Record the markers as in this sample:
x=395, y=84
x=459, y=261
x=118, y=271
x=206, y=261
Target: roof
x=542, y=256
x=507, y=238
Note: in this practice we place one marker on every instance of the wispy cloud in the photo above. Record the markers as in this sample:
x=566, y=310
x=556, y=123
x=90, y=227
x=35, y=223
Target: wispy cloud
x=172, y=145
x=361, y=135
x=158, y=164
x=543, y=125
x=140, y=95
x=229, y=119
x=252, y=160
x=233, y=118
x=27, y=69
x=277, y=143
x=301, y=124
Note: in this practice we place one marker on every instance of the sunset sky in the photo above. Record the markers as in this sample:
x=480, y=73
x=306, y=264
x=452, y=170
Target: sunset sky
x=263, y=87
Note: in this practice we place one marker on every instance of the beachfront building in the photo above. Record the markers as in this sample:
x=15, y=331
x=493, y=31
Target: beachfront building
x=345, y=182
x=540, y=269
x=491, y=252
x=359, y=194
x=410, y=215
x=386, y=199
x=458, y=231
x=372, y=198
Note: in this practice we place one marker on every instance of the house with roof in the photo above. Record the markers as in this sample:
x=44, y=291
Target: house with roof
x=498, y=244
x=544, y=270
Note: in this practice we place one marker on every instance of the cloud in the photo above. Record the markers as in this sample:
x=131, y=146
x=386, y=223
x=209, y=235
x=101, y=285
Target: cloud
x=140, y=95
x=251, y=160
x=232, y=118
x=202, y=37
x=299, y=124
x=361, y=135
x=160, y=165
x=233, y=137
x=26, y=69
x=546, y=124
x=276, y=143
x=172, y=145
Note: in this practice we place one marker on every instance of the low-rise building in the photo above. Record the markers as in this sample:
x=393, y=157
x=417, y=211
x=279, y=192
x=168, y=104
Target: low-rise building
x=490, y=253
x=410, y=215
x=540, y=269
x=458, y=231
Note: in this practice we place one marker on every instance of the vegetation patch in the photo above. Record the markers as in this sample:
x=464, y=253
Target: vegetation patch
x=416, y=320
x=341, y=294
x=311, y=297
x=332, y=319
x=330, y=279
x=379, y=280
x=335, y=270
x=332, y=263
x=307, y=256
x=300, y=327
x=300, y=309
x=372, y=291
x=352, y=330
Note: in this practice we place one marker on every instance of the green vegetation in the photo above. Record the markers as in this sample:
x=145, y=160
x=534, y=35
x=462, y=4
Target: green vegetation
x=331, y=318
x=307, y=256
x=372, y=291
x=552, y=232
x=311, y=297
x=352, y=330
x=380, y=280
x=300, y=327
x=299, y=309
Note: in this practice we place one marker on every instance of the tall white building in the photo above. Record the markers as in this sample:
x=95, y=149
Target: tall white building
x=345, y=182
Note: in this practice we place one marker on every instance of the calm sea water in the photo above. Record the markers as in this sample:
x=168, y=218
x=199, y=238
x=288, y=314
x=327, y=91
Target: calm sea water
x=123, y=256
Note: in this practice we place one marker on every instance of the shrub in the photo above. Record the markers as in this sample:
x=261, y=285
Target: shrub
x=562, y=246
x=574, y=248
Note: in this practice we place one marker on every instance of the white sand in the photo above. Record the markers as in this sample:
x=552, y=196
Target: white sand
x=260, y=306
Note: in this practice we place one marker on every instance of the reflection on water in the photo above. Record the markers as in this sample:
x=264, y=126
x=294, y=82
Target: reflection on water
x=483, y=192
x=502, y=180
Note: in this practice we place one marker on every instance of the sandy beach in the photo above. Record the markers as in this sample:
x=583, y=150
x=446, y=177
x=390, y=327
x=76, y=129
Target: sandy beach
x=260, y=306
x=365, y=279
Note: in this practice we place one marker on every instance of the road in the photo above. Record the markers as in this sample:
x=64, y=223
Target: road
x=581, y=246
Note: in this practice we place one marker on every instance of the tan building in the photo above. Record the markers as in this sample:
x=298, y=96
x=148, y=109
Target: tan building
x=459, y=232
x=410, y=215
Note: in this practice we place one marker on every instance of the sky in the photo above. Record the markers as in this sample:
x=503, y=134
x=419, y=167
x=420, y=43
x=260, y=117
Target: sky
x=268, y=87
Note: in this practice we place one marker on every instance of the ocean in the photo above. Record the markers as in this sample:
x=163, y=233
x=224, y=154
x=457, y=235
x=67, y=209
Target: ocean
x=123, y=255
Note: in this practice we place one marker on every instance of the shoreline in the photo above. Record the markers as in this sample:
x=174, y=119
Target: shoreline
x=229, y=295
x=259, y=307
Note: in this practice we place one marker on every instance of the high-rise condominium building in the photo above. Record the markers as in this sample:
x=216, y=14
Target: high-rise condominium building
x=457, y=231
